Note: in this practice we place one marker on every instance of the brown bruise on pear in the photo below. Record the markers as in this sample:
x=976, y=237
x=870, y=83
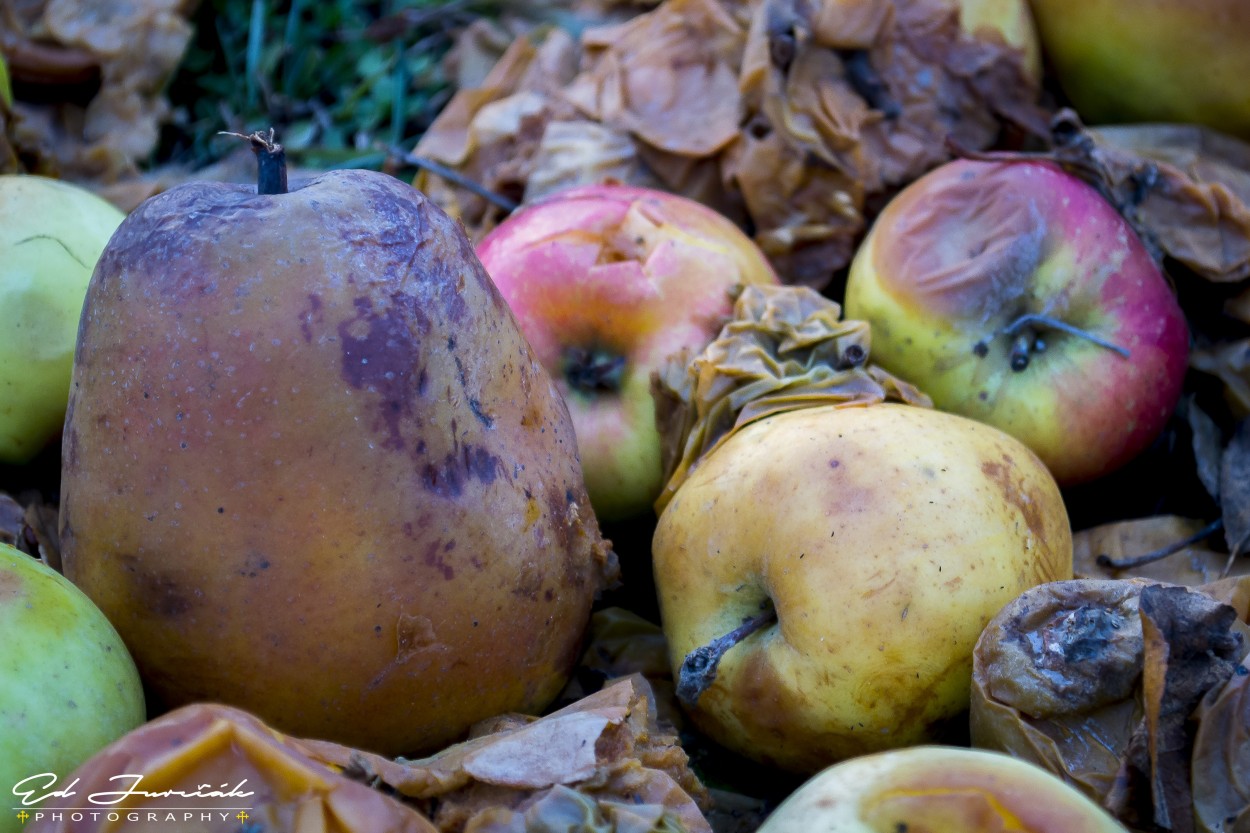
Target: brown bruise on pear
x=312, y=469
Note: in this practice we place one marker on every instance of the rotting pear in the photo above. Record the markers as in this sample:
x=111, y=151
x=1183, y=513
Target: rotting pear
x=312, y=469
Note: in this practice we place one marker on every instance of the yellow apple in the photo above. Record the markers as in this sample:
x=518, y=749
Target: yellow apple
x=1151, y=60
x=884, y=537
x=51, y=235
x=938, y=789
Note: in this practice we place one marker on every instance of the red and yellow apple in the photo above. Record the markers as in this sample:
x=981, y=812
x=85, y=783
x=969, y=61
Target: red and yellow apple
x=607, y=281
x=1151, y=60
x=938, y=789
x=1013, y=293
x=867, y=547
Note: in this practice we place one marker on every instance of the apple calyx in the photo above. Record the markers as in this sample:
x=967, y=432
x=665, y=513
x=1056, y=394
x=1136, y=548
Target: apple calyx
x=698, y=669
x=270, y=161
x=593, y=371
x=1027, y=340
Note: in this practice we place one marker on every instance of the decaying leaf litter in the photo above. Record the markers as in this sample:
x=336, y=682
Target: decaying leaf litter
x=798, y=123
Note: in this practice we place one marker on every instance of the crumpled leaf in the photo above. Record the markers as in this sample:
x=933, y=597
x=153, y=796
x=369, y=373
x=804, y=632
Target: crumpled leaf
x=30, y=525
x=785, y=348
x=1187, y=188
x=131, y=47
x=1230, y=362
x=516, y=770
x=207, y=744
x=1235, y=490
x=1188, y=650
x=797, y=119
x=1190, y=566
x=1221, y=757
x=1095, y=680
x=620, y=643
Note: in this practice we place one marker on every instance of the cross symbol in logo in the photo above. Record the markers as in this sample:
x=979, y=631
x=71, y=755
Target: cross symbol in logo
x=241, y=815
x=22, y=816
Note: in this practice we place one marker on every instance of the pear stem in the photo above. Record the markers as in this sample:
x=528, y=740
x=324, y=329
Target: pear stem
x=698, y=670
x=270, y=161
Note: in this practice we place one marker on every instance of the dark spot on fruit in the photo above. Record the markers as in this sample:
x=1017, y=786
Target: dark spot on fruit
x=313, y=314
x=379, y=349
x=1004, y=476
x=434, y=558
x=983, y=395
x=448, y=478
x=221, y=510
x=160, y=594
x=833, y=464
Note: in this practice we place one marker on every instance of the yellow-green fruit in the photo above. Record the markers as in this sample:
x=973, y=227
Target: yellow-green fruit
x=51, y=235
x=1151, y=60
x=938, y=789
x=68, y=687
x=886, y=537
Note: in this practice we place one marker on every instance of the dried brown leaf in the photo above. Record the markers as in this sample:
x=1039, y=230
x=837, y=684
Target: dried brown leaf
x=784, y=348
x=606, y=747
x=132, y=48
x=1188, y=651
x=1230, y=363
x=1191, y=566
x=1096, y=680
x=201, y=744
x=1235, y=490
x=1208, y=446
x=1221, y=757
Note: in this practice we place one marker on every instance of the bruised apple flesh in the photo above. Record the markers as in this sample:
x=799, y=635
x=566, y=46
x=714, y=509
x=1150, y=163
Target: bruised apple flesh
x=938, y=789
x=312, y=469
x=868, y=546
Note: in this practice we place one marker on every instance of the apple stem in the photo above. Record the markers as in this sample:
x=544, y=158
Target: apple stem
x=1024, y=345
x=270, y=161
x=698, y=670
x=1104, y=560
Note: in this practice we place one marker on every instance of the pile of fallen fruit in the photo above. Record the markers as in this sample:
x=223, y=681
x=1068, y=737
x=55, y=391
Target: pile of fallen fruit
x=729, y=415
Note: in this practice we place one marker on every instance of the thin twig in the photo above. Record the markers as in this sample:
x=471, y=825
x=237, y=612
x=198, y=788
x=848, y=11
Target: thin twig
x=451, y=176
x=1104, y=560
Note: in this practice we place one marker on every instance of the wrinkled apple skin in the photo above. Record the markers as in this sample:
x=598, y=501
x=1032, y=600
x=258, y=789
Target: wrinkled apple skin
x=1151, y=60
x=635, y=273
x=964, y=251
x=937, y=789
x=67, y=685
x=886, y=536
x=51, y=234
x=311, y=468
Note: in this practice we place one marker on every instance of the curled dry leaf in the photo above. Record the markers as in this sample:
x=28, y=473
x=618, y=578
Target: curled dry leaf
x=1235, y=490
x=1100, y=681
x=130, y=49
x=280, y=786
x=580, y=766
x=1191, y=566
x=794, y=117
x=1230, y=363
x=785, y=348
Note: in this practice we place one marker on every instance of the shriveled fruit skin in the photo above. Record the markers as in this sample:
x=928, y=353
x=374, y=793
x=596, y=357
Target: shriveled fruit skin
x=885, y=537
x=311, y=468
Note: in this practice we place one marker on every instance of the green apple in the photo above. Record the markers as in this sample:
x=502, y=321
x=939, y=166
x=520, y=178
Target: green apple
x=1014, y=294
x=51, y=235
x=1151, y=60
x=68, y=686
x=938, y=789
